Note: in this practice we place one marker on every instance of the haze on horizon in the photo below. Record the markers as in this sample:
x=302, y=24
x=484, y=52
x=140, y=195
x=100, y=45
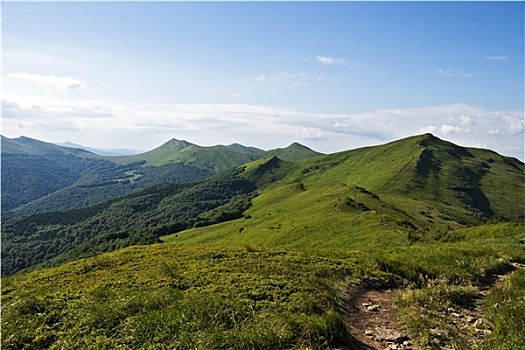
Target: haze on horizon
x=330, y=75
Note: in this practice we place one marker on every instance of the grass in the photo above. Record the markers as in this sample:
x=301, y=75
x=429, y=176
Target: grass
x=209, y=296
x=178, y=297
x=505, y=309
x=424, y=311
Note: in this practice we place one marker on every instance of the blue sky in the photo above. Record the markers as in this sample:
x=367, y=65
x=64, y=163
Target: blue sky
x=331, y=75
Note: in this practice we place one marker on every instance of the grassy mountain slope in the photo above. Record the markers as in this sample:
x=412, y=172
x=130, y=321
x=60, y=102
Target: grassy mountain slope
x=215, y=158
x=404, y=191
x=39, y=176
x=32, y=169
x=404, y=214
x=292, y=153
x=408, y=188
x=244, y=149
x=204, y=296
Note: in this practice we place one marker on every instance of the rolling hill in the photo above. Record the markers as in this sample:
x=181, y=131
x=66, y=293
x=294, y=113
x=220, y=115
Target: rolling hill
x=410, y=187
x=27, y=146
x=40, y=176
x=260, y=256
x=215, y=158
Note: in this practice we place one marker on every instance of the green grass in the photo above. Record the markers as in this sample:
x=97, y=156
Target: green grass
x=208, y=296
x=424, y=311
x=505, y=309
x=178, y=296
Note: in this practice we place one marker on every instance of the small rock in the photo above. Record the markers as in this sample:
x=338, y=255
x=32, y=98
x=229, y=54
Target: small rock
x=369, y=332
x=390, y=336
x=373, y=308
x=366, y=304
x=455, y=314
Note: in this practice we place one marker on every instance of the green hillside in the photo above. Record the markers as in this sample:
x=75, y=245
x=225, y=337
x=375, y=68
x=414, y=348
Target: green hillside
x=408, y=188
x=215, y=158
x=405, y=191
x=203, y=296
x=138, y=218
x=32, y=169
x=40, y=176
x=27, y=146
x=260, y=256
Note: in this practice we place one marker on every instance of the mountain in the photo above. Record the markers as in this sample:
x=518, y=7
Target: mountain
x=292, y=153
x=214, y=158
x=32, y=169
x=109, y=152
x=136, y=218
x=31, y=147
x=276, y=254
x=40, y=176
x=244, y=149
x=407, y=188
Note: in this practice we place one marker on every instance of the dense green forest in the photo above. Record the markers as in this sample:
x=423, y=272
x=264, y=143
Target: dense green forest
x=29, y=177
x=138, y=218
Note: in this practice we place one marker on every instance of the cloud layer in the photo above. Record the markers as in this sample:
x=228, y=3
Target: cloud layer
x=97, y=123
x=58, y=83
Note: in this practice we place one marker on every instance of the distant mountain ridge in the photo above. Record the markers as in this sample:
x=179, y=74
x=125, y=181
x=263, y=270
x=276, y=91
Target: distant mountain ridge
x=28, y=146
x=40, y=176
x=402, y=191
x=214, y=158
x=109, y=152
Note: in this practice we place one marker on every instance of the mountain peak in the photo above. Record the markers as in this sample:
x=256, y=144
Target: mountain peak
x=294, y=152
x=181, y=143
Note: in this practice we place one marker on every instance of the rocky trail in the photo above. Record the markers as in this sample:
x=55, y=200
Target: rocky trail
x=373, y=318
x=375, y=324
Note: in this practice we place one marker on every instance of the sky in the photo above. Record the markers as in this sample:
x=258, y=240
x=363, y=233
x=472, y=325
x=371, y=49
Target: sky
x=330, y=75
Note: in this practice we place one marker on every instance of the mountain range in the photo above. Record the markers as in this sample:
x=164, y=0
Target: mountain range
x=233, y=247
x=101, y=151
x=412, y=185
x=39, y=176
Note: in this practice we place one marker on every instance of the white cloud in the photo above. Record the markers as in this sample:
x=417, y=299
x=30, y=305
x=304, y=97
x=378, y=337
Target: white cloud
x=496, y=58
x=450, y=73
x=449, y=129
x=514, y=125
x=101, y=124
x=445, y=72
x=58, y=83
x=330, y=60
x=464, y=74
x=292, y=79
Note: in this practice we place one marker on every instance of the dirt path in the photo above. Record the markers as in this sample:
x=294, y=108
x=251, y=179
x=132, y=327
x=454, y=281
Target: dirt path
x=375, y=324
x=374, y=320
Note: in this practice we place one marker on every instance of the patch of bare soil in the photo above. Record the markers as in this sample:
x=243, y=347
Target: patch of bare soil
x=373, y=318
x=375, y=324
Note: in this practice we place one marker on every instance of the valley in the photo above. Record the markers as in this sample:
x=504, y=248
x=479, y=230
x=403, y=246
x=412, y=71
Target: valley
x=231, y=247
